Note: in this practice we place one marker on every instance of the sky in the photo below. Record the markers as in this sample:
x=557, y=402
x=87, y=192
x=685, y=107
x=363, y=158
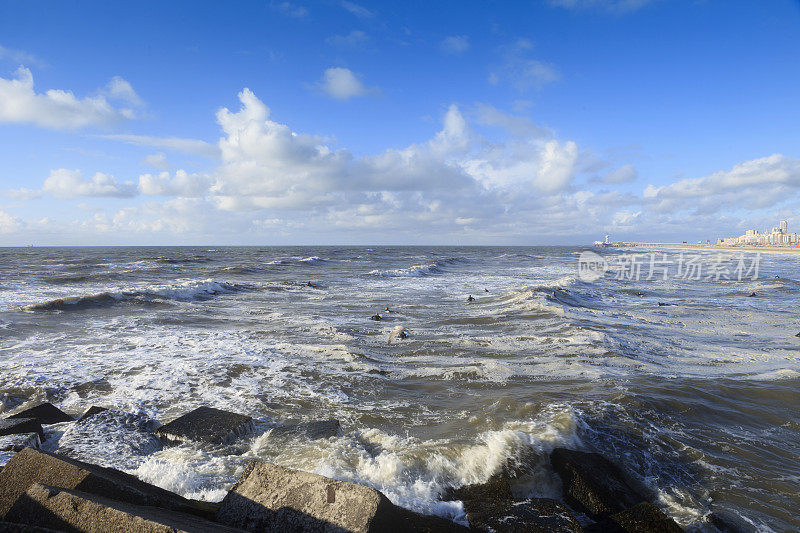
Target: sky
x=449, y=122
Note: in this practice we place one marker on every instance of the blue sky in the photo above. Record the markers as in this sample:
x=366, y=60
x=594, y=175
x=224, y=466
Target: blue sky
x=335, y=122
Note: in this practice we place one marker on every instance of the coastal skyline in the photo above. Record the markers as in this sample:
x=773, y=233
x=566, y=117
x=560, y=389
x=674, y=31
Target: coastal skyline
x=551, y=122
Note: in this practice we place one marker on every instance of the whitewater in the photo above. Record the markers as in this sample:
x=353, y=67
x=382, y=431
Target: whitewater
x=698, y=395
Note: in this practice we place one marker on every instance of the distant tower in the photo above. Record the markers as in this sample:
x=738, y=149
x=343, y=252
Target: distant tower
x=606, y=238
x=784, y=227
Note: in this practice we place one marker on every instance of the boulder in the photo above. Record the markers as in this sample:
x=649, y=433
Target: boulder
x=70, y=510
x=16, y=443
x=93, y=410
x=641, y=518
x=31, y=466
x=534, y=515
x=45, y=413
x=207, y=425
x=317, y=429
x=497, y=487
x=268, y=497
x=15, y=426
x=592, y=484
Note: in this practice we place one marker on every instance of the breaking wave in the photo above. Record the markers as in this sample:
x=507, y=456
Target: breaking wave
x=417, y=271
x=187, y=291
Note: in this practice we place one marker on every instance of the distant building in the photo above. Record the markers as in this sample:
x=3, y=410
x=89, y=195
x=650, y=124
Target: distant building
x=778, y=236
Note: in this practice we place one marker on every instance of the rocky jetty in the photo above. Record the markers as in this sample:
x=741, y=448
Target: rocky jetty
x=66, y=491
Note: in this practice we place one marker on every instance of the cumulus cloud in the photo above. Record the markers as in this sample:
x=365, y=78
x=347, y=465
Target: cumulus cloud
x=9, y=223
x=57, y=109
x=352, y=39
x=343, y=84
x=157, y=160
x=64, y=183
x=754, y=184
x=455, y=44
x=181, y=184
x=189, y=146
x=623, y=174
x=120, y=89
x=19, y=57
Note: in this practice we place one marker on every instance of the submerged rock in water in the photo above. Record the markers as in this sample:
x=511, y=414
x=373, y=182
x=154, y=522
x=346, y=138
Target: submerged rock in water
x=268, y=497
x=35, y=466
x=593, y=484
x=93, y=410
x=16, y=426
x=317, y=429
x=207, y=425
x=533, y=515
x=45, y=413
x=15, y=443
x=641, y=518
x=111, y=438
x=72, y=510
x=497, y=487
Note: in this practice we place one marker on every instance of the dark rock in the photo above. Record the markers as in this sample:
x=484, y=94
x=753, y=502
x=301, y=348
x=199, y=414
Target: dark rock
x=8, y=527
x=18, y=442
x=93, y=410
x=15, y=426
x=45, y=413
x=70, y=510
x=208, y=425
x=497, y=487
x=268, y=497
x=729, y=522
x=317, y=429
x=641, y=518
x=36, y=466
x=593, y=484
x=535, y=515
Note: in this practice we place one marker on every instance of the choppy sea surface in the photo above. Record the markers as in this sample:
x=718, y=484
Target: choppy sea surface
x=699, y=398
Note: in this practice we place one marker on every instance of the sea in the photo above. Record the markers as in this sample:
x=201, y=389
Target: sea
x=688, y=378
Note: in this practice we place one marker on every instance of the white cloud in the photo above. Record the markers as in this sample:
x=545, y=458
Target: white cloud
x=182, y=184
x=357, y=10
x=120, y=89
x=290, y=9
x=455, y=44
x=56, y=109
x=623, y=174
x=189, y=146
x=619, y=6
x=522, y=72
x=515, y=125
x=157, y=160
x=754, y=184
x=19, y=57
x=64, y=183
x=352, y=39
x=9, y=223
x=343, y=84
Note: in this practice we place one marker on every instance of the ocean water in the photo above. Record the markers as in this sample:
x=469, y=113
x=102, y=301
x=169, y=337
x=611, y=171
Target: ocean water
x=699, y=399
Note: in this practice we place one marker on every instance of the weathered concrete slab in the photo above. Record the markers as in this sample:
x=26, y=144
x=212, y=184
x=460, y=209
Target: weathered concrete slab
x=208, y=425
x=317, y=429
x=111, y=438
x=45, y=413
x=271, y=498
x=16, y=443
x=93, y=410
x=593, y=484
x=31, y=466
x=535, y=515
x=15, y=426
x=641, y=518
x=64, y=509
